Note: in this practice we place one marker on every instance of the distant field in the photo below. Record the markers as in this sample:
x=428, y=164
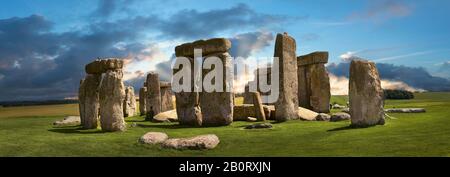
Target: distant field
x=28, y=131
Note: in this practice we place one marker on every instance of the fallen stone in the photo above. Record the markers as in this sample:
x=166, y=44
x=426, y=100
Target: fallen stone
x=306, y=114
x=337, y=106
x=68, y=121
x=259, y=109
x=168, y=116
x=243, y=111
x=153, y=138
x=405, y=110
x=323, y=117
x=259, y=126
x=340, y=117
x=201, y=142
x=251, y=119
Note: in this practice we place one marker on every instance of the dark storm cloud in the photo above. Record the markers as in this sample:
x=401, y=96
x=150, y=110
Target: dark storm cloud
x=192, y=24
x=415, y=77
x=38, y=63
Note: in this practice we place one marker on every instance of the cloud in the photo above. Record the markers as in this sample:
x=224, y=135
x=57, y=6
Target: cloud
x=192, y=24
x=383, y=10
x=417, y=78
x=246, y=44
x=339, y=85
x=443, y=70
x=107, y=8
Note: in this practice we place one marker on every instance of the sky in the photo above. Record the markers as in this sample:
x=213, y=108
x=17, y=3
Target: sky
x=44, y=44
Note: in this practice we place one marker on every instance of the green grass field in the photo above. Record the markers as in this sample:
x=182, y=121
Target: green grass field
x=28, y=131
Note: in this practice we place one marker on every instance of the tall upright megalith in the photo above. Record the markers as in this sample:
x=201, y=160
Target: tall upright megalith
x=129, y=104
x=187, y=102
x=365, y=94
x=166, y=96
x=286, y=107
x=153, y=95
x=143, y=101
x=89, y=101
x=314, y=82
x=112, y=95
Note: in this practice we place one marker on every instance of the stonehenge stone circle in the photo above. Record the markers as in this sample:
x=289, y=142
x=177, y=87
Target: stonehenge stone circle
x=314, y=82
x=89, y=101
x=143, y=101
x=365, y=94
x=129, y=105
x=112, y=95
x=153, y=95
x=286, y=107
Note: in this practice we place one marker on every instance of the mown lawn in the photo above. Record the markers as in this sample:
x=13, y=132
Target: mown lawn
x=28, y=131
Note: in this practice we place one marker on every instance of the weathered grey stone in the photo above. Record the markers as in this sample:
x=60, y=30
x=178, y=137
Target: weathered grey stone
x=210, y=46
x=248, y=99
x=365, y=94
x=242, y=112
x=340, y=116
x=89, y=101
x=187, y=103
x=143, y=100
x=286, y=107
x=306, y=114
x=129, y=104
x=153, y=95
x=166, y=97
x=167, y=116
x=259, y=126
x=259, y=110
x=314, y=82
x=405, y=110
x=252, y=119
x=112, y=95
x=217, y=107
x=68, y=121
x=195, y=143
x=323, y=117
x=153, y=138
x=337, y=106
x=81, y=99
x=101, y=66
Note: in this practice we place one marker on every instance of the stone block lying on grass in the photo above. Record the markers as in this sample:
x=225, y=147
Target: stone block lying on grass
x=168, y=116
x=68, y=121
x=153, y=138
x=406, y=110
x=200, y=142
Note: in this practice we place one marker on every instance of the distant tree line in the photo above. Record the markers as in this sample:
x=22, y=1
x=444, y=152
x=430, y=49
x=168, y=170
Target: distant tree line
x=31, y=103
x=398, y=94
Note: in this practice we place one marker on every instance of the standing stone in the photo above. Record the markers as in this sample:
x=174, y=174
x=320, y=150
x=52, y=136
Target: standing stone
x=286, y=107
x=248, y=99
x=187, y=103
x=129, y=105
x=259, y=110
x=112, y=95
x=314, y=82
x=89, y=101
x=217, y=107
x=365, y=94
x=81, y=99
x=143, y=100
x=166, y=97
x=153, y=95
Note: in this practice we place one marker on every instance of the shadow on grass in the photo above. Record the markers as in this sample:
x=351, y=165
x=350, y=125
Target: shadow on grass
x=136, y=121
x=74, y=129
x=165, y=126
x=349, y=127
